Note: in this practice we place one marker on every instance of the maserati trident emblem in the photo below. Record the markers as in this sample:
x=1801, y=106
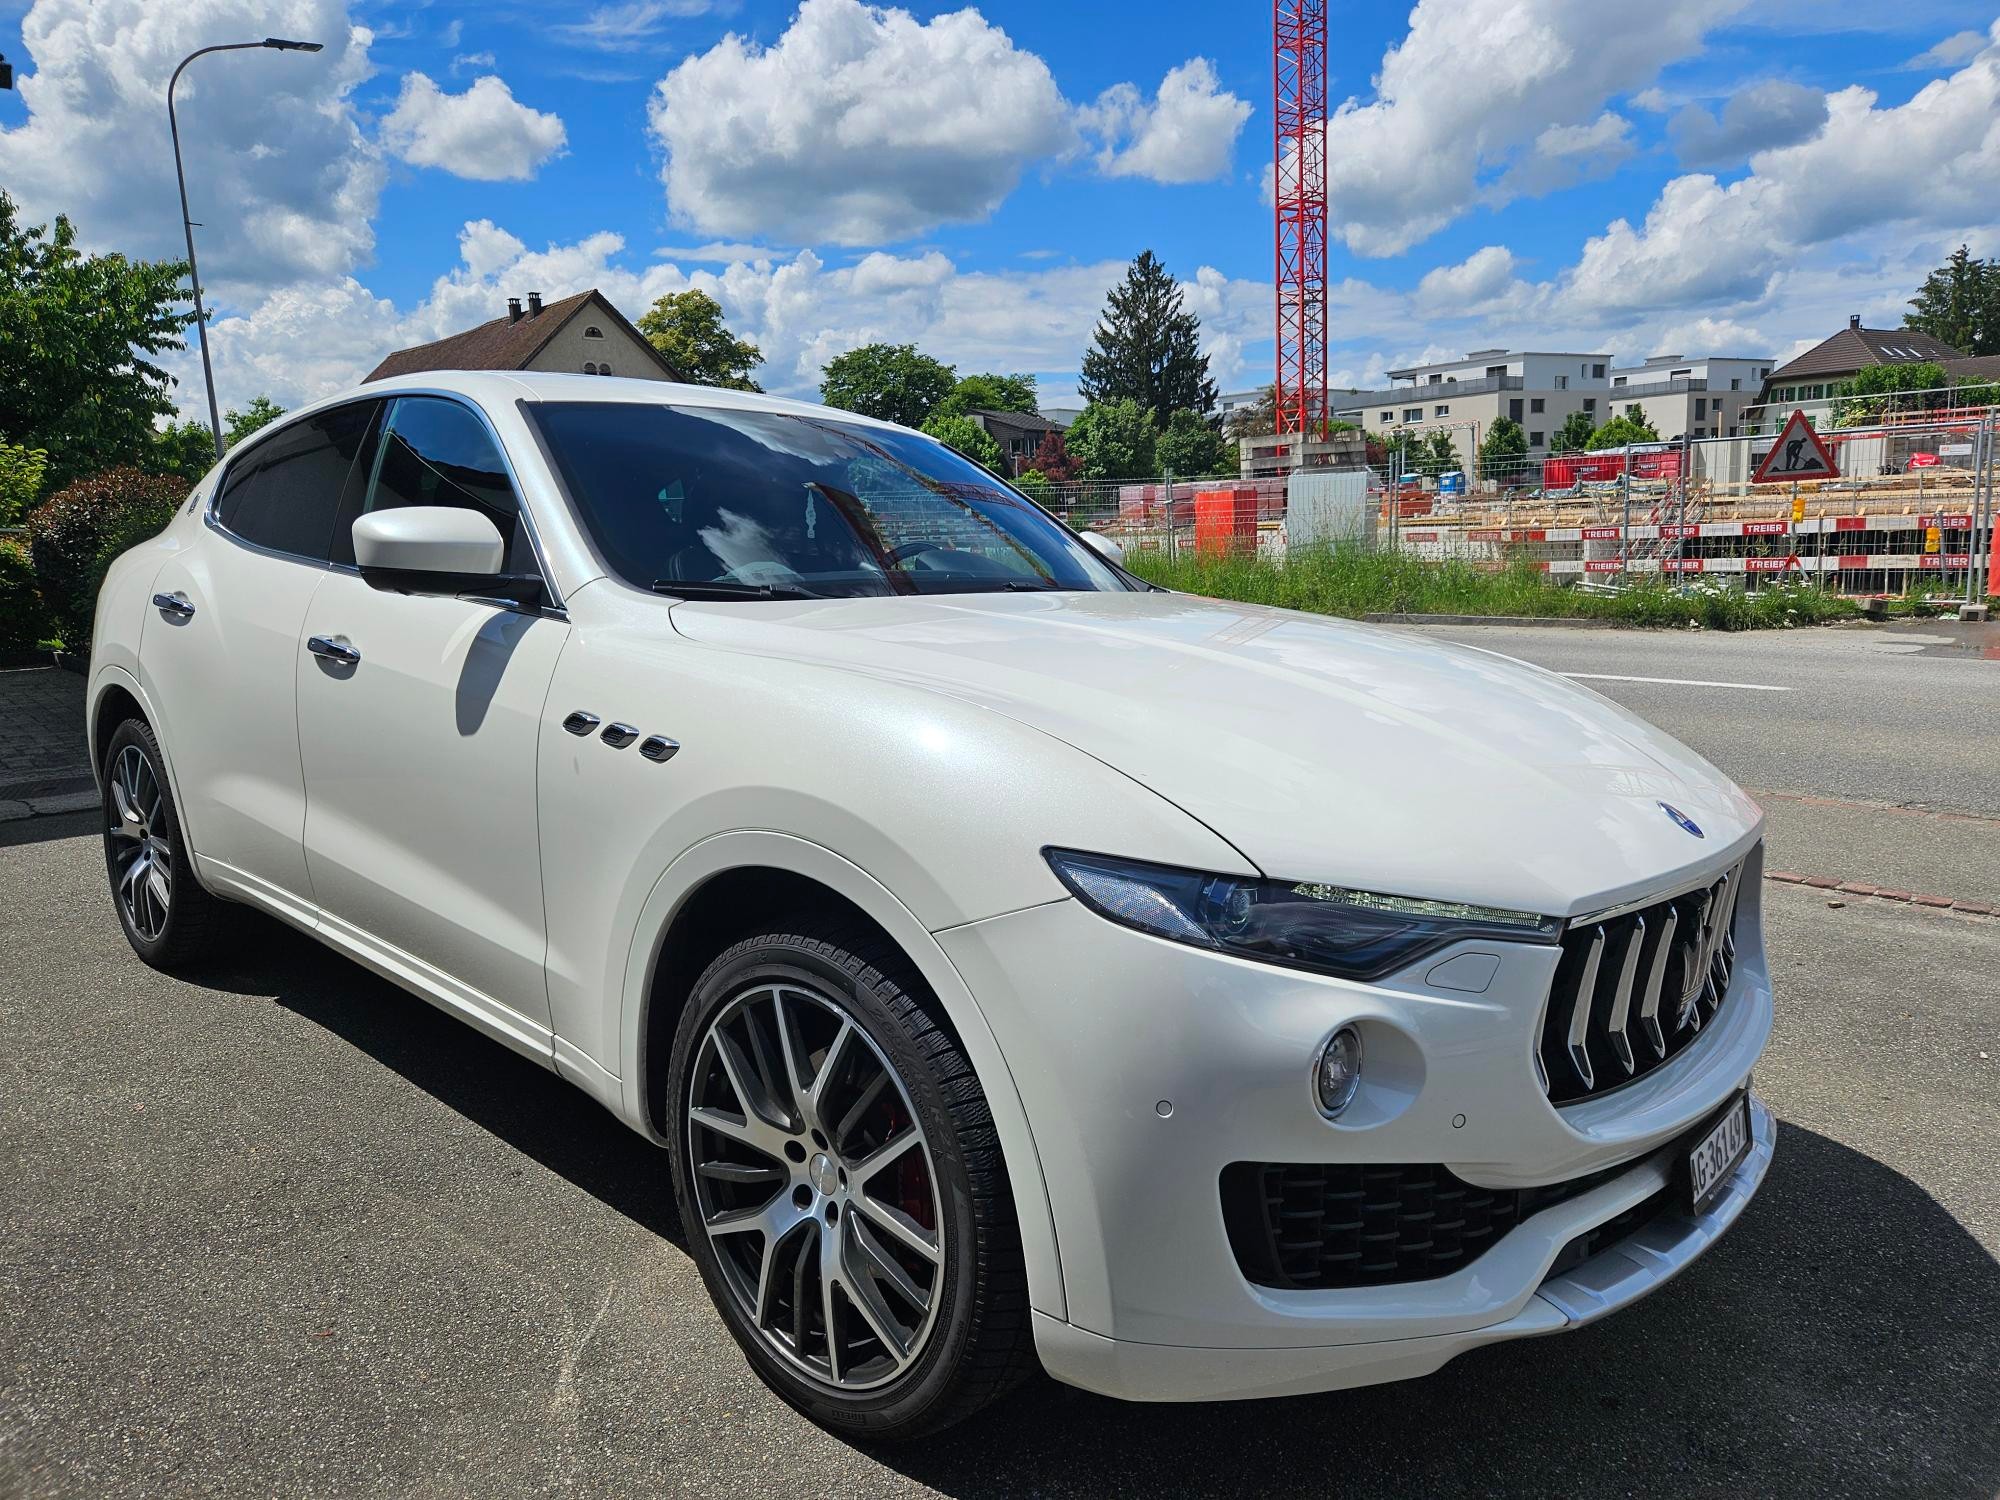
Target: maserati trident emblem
x=1687, y=824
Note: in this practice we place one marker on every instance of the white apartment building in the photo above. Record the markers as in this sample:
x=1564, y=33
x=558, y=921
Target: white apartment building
x=1694, y=398
x=1466, y=396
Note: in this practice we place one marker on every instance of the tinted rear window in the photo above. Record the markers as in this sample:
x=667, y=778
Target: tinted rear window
x=285, y=492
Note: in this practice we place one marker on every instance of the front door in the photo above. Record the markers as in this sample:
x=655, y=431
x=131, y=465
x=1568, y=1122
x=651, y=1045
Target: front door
x=419, y=754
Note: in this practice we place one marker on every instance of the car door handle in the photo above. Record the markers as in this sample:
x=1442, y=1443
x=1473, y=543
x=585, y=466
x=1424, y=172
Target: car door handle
x=175, y=604
x=333, y=649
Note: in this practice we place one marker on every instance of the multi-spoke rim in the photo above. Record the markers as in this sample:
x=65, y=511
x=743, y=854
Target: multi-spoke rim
x=142, y=867
x=816, y=1186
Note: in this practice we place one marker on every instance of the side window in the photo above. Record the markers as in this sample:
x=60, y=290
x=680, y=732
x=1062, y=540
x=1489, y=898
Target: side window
x=437, y=452
x=285, y=492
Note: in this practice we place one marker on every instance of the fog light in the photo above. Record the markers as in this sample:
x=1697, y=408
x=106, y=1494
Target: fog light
x=1338, y=1073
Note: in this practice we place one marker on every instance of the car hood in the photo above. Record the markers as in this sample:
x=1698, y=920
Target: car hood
x=1320, y=748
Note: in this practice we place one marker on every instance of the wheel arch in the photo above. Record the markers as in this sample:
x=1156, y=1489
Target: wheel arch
x=692, y=914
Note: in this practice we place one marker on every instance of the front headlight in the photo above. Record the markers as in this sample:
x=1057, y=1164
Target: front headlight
x=1328, y=929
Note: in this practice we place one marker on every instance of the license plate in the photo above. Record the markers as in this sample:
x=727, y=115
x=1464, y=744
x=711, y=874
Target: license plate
x=1716, y=1154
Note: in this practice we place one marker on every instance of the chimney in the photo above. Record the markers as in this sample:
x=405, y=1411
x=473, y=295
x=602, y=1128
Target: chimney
x=1854, y=321
x=535, y=304
x=513, y=309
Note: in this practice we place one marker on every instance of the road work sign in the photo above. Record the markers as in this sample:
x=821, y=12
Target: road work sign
x=1797, y=454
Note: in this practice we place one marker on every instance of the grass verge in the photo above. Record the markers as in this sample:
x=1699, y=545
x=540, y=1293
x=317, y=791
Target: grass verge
x=1355, y=582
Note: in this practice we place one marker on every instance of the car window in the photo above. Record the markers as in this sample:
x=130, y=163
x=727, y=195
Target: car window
x=437, y=452
x=750, y=499
x=285, y=492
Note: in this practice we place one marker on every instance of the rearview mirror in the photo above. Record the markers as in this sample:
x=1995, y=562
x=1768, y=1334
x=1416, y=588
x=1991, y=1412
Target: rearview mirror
x=1104, y=547
x=437, y=549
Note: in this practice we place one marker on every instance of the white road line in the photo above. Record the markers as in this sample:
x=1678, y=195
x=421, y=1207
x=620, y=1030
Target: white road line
x=1748, y=687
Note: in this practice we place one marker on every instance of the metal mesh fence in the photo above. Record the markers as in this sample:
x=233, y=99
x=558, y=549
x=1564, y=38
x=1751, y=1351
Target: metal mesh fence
x=1911, y=510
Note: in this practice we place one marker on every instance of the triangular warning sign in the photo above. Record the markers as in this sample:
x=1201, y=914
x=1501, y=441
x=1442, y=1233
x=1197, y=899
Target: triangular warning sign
x=1797, y=454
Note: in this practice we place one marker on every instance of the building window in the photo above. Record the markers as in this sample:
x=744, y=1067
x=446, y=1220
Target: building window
x=1387, y=415
x=1700, y=407
x=1441, y=411
x=593, y=332
x=1597, y=372
x=1617, y=381
x=1537, y=404
x=1562, y=382
x=1495, y=372
x=1680, y=375
x=1590, y=404
x=589, y=367
x=1736, y=385
x=1413, y=414
x=1534, y=440
x=1733, y=432
x=1514, y=410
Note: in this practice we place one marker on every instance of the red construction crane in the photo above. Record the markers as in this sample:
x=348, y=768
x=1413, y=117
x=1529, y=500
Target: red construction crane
x=1298, y=87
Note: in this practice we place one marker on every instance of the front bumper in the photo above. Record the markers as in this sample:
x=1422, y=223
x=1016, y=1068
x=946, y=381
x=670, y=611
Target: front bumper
x=1146, y=1067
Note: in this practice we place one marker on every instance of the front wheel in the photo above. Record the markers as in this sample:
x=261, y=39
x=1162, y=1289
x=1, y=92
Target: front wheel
x=842, y=1186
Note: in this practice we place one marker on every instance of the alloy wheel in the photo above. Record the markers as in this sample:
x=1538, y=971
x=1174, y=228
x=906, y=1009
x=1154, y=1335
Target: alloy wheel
x=141, y=857
x=816, y=1186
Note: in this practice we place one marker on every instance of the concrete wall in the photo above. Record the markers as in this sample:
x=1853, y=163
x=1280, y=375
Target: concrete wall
x=569, y=350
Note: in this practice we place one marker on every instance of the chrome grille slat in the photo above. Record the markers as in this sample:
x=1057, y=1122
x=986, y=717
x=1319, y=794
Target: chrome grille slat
x=1660, y=968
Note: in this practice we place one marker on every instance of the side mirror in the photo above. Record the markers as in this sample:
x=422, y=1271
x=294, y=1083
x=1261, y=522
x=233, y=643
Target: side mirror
x=1104, y=547
x=436, y=549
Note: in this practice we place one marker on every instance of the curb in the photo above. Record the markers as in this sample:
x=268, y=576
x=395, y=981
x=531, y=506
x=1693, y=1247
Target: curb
x=1542, y=620
x=1881, y=893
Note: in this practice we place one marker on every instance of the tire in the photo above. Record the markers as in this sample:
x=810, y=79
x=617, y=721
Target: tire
x=895, y=1366
x=167, y=917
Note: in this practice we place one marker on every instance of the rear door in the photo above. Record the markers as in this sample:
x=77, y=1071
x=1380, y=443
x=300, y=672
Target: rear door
x=420, y=755
x=219, y=655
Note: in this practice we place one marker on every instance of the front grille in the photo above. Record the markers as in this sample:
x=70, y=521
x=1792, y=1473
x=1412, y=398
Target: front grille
x=1303, y=1227
x=1632, y=990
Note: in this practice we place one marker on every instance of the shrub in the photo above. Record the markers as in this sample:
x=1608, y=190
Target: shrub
x=24, y=624
x=73, y=538
x=21, y=471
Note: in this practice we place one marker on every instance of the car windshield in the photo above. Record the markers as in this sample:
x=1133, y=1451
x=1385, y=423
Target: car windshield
x=747, y=504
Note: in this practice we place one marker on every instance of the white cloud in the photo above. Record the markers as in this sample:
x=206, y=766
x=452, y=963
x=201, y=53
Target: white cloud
x=1471, y=90
x=624, y=27
x=1959, y=47
x=1758, y=118
x=1564, y=155
x=858, y=125
x=279, y=174
x=484, y=134
x=1472, y=285
x=1653, y=101
x=1185, y=134
x=466, y=60
x=303, y=342
x=1931, y=162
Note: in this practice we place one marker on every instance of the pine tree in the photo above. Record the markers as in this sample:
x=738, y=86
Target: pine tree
x=1959, y=304
x=1148, y=347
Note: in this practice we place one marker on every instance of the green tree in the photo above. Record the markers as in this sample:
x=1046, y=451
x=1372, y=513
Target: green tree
x=260, y=413
x=1035, y=485
x=1503, y=452
x=1878, y=389
x=21, y=474
x=963, y=435
x=1574, y=434
x=1147, y=347
x=76, y=333
x=1191, y=447
x=1259, y=419
x=1440, y=454
x=1959, y=304
x=1629, y=426
x=185, y=450
x=1114, y=440
x=687, y=329
x=990, y=393
x=892, y=382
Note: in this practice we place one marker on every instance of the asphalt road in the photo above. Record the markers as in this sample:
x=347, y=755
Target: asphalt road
x=284, y=1230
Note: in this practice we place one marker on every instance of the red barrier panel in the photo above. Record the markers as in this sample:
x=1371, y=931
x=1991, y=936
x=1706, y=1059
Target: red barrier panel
x=1225, y=520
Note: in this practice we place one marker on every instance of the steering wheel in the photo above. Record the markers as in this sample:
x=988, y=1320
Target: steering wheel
x=911, y=549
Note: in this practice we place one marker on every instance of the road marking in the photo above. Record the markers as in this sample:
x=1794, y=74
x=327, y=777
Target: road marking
x=1748, y=687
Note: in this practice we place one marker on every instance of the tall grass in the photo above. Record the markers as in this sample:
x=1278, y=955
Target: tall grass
x=1355, y=581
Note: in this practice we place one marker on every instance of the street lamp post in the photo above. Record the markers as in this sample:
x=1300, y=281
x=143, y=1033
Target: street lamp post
x=276, y=44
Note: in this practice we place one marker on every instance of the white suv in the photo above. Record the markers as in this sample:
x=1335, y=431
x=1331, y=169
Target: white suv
x=1012, y=960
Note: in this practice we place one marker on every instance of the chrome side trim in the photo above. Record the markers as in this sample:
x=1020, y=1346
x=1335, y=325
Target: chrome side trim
x=581, y=722
x=618, y=736
x=1579, y=1013
x=1649, y=1006
x=657, y=747
x=1621, y=1004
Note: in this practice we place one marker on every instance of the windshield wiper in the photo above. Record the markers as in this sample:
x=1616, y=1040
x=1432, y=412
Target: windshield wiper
x=723, y=588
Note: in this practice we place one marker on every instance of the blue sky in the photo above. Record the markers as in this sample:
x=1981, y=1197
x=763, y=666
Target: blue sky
x=1705, y=176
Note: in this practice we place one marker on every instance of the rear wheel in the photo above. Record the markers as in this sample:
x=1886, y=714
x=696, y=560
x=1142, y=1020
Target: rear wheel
x=168, y=918
x=842, y=1186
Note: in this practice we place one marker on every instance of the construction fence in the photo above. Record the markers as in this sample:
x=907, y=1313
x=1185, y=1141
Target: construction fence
x=1911, y=509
